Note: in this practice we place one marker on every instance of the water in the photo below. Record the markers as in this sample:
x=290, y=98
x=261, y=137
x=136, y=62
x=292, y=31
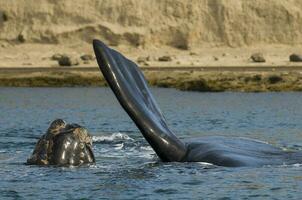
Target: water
x=127, y=167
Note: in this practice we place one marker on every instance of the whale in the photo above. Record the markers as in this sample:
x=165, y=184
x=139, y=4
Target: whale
x=131, y=90
x=63, y=144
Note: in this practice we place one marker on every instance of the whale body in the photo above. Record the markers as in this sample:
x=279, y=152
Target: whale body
x=131, y=89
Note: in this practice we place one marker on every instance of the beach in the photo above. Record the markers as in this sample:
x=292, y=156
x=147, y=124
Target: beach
x=216, y=69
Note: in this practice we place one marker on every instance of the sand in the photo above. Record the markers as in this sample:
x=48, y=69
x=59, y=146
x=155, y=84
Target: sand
x=215, y=69
x=39, y=55
x=198, y=33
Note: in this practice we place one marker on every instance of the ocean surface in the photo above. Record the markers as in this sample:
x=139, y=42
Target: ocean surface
x=126, y=167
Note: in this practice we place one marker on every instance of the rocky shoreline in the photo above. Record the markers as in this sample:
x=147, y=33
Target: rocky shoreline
x=212, y=81
x=248, y=69
x=229, y=81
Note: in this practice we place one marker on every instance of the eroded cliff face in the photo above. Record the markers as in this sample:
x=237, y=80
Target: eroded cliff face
x=177, y=23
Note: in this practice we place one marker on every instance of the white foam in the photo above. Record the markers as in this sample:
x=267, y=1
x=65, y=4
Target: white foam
x=292, y=165
x=119, y=146
x=205, y=164
x=146, y=148
x=112, y=137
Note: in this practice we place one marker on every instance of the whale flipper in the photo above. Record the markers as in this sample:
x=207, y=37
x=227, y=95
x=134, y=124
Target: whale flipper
x=131, y=89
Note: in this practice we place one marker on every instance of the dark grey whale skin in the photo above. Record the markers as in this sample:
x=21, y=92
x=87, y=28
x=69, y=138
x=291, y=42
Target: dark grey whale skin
x=131, y=89
x=63, y=145
x=67, y=151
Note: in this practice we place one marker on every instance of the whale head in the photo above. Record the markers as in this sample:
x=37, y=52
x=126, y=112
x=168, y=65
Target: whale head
x=63, y=144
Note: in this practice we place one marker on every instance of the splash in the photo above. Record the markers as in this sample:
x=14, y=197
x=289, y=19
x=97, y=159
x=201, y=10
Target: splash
x=112, y=137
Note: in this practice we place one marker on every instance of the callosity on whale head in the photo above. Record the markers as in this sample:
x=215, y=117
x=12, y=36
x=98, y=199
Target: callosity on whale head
x=63, y=144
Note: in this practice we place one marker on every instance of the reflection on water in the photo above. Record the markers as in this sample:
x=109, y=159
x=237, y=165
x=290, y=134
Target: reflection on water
x=127, y=167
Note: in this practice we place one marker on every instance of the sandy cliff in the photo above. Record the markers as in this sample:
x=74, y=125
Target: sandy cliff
x=178, y=23
x=219, y=33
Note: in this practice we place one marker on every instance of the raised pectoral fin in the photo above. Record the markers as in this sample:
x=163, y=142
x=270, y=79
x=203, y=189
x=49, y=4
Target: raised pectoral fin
x=131, y=89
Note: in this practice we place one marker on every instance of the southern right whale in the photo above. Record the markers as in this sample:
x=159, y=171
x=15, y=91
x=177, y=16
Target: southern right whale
x=131, y=89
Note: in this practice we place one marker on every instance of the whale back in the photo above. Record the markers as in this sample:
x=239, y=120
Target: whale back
x=238, y=151
x=131, y=89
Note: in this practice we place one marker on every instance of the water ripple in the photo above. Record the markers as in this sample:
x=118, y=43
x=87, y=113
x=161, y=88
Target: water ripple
x=127, y=167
